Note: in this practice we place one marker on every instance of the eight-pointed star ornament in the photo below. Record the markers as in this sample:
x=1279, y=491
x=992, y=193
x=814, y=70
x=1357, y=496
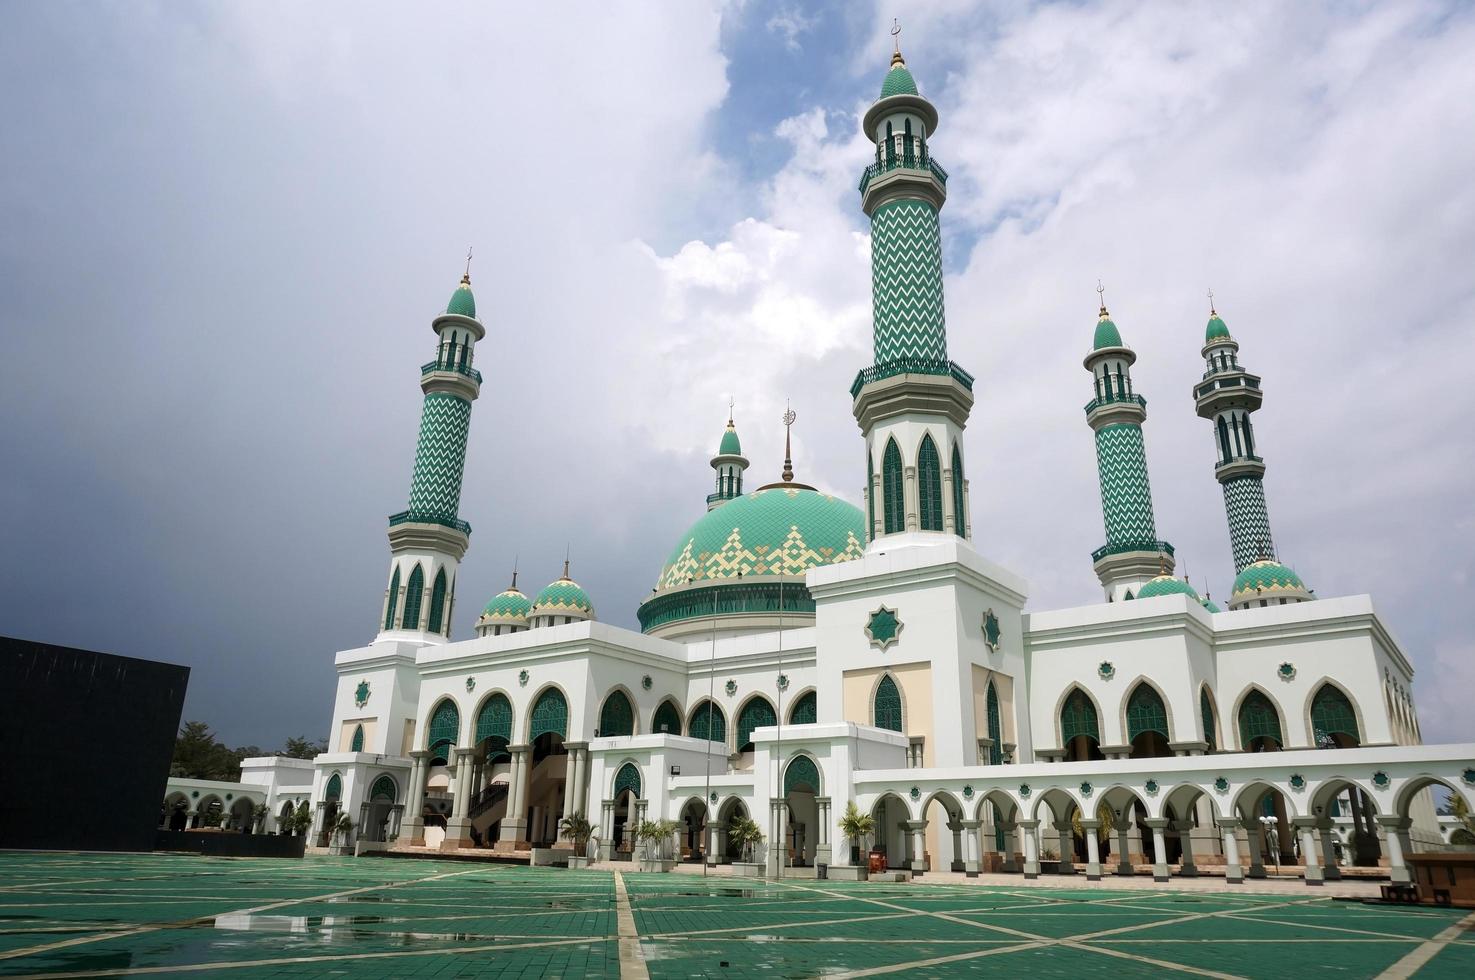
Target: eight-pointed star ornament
x=883, y=628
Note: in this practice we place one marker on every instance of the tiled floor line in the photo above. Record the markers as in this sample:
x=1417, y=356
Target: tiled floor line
x=632, y=957
x=1426, y=951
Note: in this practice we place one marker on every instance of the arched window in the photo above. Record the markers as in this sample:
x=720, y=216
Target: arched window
x=617, y=717
x=550, y=715
x=870, y=497
x=1249, y=435
x=494, y=721
x=995, y=729
x=757, y=713
x=437, y=601
x=804, y=710
x=627, y=778
x=802, y=776
x=383, y=790
x=929, y=485
x=708, y=722
x=1078, y=717
x=1146, y=712
x=1224, y=441
x=1259, y=724
x=392, y=605
x=413, y=593
x=333, y=792
x=891, y=489
x=1332, y=716
x=666, y=720
x=887, y=705
x=1206, y=710
x=356, y=744
x=445, y=725
x=960, y=524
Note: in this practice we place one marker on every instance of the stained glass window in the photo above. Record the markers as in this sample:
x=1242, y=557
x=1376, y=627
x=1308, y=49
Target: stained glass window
x=804, y=710
x=995, y=728
x=392, y=605
x=1331, y=713
x=413, y=594
x=801, y=775
x=757, y=713
x=1258, y=719
x=334, y=790
x=356, y=744
x=1078, y=717
x=709, y=722
x=1146, y=713
x=627, y=778
x=1206, y=709
x=893, y=501
x=550, y=714
x=666, y=720
x=494, y=720
x=382, y=790
x=445, y=726
x=960, y=525
x=929, y=485
x=437, y=601
x=617, y=717
x=888, y=705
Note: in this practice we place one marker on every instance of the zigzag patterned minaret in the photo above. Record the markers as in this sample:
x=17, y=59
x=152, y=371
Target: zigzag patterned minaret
x=1132, y=555
x=912, y=403
x=428, y=540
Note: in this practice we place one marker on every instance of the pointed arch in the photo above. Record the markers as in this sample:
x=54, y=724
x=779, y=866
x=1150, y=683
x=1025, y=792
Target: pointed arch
x=995, y=728
x=384, y=789
x=1333, y=718
x=1146, y=711
x=756, y=712
x=332, y=793
x=667, y=719
x=1080, y=725
x=929, y=485
x=1207, y=715
x=802, y=775
x=617, y=716
x=413, y=595
x=356, y=744
x=392, y=606
x=442, y=731
x=437, y=601
x=707, y=721
x=494, y=722
x=549, y=715
x=1259, y=722
x=960, y=524
x=892, y=499
x=870, y=497
x=886, y=705
x=805, y=709
x=627, y=777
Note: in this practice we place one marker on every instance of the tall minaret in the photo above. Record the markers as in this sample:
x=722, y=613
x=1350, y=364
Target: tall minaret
x=1227, y=395
x=1132, y=555
x=912, y=403
x=427, y=540
x=729, y=464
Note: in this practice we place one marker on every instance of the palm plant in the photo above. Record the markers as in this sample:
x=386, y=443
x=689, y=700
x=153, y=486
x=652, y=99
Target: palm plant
x=856, y=827
x=343, y=827
x=577, y=829
x=258, y=814
x=657, y=836
x=745, y=832
x=300, y=820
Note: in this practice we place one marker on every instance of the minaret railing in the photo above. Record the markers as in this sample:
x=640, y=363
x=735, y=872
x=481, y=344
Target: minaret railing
x=905, y=162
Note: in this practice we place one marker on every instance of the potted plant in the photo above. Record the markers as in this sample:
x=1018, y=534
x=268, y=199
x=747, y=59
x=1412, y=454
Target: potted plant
x=301, y=820
x=656, y=836
x=578, y=830
x=342, y=831
x=258, y=818
x=745, y=833
x=857, y=828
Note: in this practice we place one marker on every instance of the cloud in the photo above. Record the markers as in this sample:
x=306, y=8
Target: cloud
x=789, y=23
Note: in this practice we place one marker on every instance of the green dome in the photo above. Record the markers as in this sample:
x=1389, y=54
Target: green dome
x=564, y=594
x=1268, y=579
x=730, y=445
x=1167, y=585
x=1107, y=334
x=899, y=81
x=782, y=530
x=1210, y=605
x=462, y=302
x=1216, y=329
x=509, y=605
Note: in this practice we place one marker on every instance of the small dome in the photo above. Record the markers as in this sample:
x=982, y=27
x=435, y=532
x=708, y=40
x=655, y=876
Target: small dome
x=1209, y=604
x=1107, y=335
x=462, y=302
x=899, y=81
x=1267, y=579
x=506, y=607
x=1216, y=330
x=1167, y=585
x=562, y=598
x=730, y=445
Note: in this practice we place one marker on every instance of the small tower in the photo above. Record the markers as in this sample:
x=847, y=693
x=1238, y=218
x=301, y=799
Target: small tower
x=561, y=602
x=428, y=539
x=1227, y=396
x=730, y=465
x=912, y=403
x=1132, y=555
x=506, y=613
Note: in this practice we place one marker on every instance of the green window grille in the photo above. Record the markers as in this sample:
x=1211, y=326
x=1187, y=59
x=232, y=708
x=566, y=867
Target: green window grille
x=666, y=720
x=1258, y=719
x=801, y=775
x=413, y=594
x=1331, y=713
x=392, y=605
x=804, y=711
x=333, y=792
x=550, y=715
x=617, y=717
x=929, y=485
x=709, y=722
x=887, y=706
x=1146, y=713
x=892, y=500
x=960, y=525
x=757, y=713
x=445, y=725
x=995, y=729
x=998, y=829
x=870, y=496
x=494, y=720
x=437, y=601
x=627, y=778
x=1207, y=711
x=1078, y=717
x=356, y=744
x=382, y=790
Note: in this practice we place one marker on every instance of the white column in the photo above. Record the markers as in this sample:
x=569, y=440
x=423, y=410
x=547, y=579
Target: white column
x=1123, y=847
x=458, y=828
x=1065, y=841
x=607, y=830
x=1186, y=869
x=1330, y=871
x=971, y=846
x=1307, y=828
x=960, y=859
x=514, y=824
x=1233, y=873
x=1159, y=848
x=909, y=484
x=949, y=519
x=1093, y=849
x=822, y=850
x=413, y=827
x=1255, y=841
x=1011, y=846
x=919, y=846
x=1395, y=832
x=1031, y=848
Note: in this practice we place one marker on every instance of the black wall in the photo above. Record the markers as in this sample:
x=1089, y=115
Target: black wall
x=85, y=745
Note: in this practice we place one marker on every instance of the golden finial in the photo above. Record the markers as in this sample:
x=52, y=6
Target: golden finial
x=1162, y=563
x=466, y=276
x=789, y=418
x=565, y=564
x=1212, y=311
x=1101, y=295
x=896, y=58
x=729, y=412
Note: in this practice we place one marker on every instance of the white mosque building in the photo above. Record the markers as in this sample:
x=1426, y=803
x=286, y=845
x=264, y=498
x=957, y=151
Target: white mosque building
x=799, y=653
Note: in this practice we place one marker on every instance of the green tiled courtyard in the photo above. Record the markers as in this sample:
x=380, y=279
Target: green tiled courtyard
x=74, y=915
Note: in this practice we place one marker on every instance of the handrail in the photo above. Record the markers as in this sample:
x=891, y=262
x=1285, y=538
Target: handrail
x=1096, y=403
x=1123, y=547
x=405, y=517
x=906, y=161
x=911, y=365
x=470, y=372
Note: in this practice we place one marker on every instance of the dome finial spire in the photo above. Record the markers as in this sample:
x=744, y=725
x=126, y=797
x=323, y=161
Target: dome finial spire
x=466, y=276
x=565, y=577
x=730, y=404
x=789, y=418
x=1212, y=311
x=896, y=58
x=1101, y=295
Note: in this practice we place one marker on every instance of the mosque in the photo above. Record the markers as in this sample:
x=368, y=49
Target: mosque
x=799, y=653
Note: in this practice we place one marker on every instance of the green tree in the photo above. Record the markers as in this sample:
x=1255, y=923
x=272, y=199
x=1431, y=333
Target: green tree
x=299, y=747
x=856, y=827
x=198, y=754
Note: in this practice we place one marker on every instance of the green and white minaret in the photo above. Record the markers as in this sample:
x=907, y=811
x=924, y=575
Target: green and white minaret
x=428, y=539
x=912, y=403
x=1227, y=396
x=730, y=464
x=1132, y=555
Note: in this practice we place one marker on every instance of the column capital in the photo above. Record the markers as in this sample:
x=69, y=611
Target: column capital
x=971, y=824
x=575, y=745
x=915, y=825
x=1156, y=823
x=419, y=755
x=822, y=800
x=1064, y=825
x=1090, y=824
x=464, y=754
x=1304, y=823
x=1228, y=823
x=1027, y=824
x=523, y=747
x=1392, y=822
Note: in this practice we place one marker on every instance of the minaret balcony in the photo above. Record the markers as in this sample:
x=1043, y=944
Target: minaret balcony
x=1128, y=547
x=458, y=379
x=920, y=175
x=1237, y=391
x=405, y=517
x=1115, y=409
x=423, y=532
x=911, y=365
x=1239, y=466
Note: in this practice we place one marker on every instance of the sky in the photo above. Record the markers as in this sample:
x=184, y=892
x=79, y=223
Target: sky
x=226, y=227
